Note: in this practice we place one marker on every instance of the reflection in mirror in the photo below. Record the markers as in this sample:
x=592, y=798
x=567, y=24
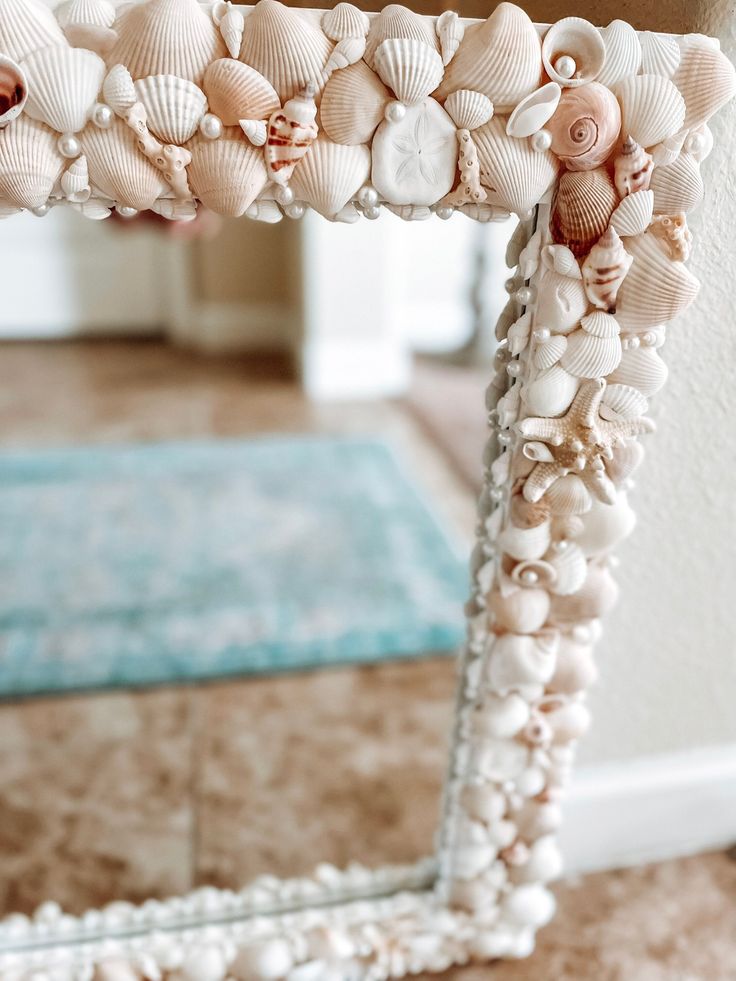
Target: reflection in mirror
x=235, y=512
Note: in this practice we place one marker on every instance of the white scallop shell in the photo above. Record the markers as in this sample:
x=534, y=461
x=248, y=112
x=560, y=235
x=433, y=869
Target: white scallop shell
x=396, y=21
x=660, y=54
x=623, y=52
x=595, y=350
x=522, y=611
x=27, y=26
x=119, y=169
x=174, y=107
x=571, y=569
x=652, y=109
x=410, y=68
x=623, y=402
x=502, y=58
x=525, y=543
x=561, y=302
x=534, y=111
x=634, y=213
x=75, y=181
x=550, y=351
x=641, y=368
x=677, y=187
x=64, y=84
x=517, y=176
x=561, y=260
x=568, y=495
x=579, y=40
x=228, y=174
x=656, y=288
x=468, y=109
x=88, y=24
x=345, y=21
x=119, y=90
x=330, y=175
x=551, y=393
x=707, y=81
x=353, y=104
x=236, y=91
x=30, y=163
x=519, y=661
x=450, y=31
x=606, y=526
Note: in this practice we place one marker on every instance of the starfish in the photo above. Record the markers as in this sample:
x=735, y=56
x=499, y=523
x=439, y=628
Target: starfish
x=579, y=442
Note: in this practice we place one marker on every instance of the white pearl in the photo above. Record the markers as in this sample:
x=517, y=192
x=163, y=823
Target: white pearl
x=504, y=438
x=634, y=342
x=296, y=210
x=496, y=495
x=69, y=146
x=102, y=116
x=541, y=141
x=444, y=212
x=367, y=196
x=513, y=369
x=211, y=126
x=373, y=212
x=565, y=66
x=395, y=112
x=649, y=339
x=511, y=285
x=696, y=143
x=524, y=295
x=529, y=577
x=42, y=210
x=542, y=335
x=125, y=211
x=284, y=196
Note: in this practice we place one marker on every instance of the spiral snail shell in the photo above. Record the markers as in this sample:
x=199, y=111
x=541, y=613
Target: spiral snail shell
x=585, y=126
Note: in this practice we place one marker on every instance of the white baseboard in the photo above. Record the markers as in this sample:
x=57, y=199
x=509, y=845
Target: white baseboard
x=650, y=809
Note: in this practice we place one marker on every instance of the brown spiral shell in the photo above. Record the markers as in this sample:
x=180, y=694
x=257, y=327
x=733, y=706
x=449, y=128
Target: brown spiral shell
x=585, y=126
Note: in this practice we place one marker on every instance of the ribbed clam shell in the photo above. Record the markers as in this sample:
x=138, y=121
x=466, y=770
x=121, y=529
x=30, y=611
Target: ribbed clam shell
x=236, y=91
x=27, y=26
x=523, y=544
x=550, y=351
x=561, y=302
x=560, y=259
x=551, y=393
x=330, y=175
x=678, y=187
x=285, y=47
x=450, y=31
x=228, y=174
x=585, y=126
x=410, y=68
x=591, y=356
x=656, y=288
x=623, y=402
x=343, y=21
x=623, y=52
x=568, y=495
x=584, y=203
x=75, y=181
x=13, y=91
x=634, y=213
x=30, y=164
x=641, y=368
x=353, y=104
x=516, y=174
x=660, y=54
x=174, y=106
x=578, y=39
x=468, y=109
x=651, y=108
x=502, y=57
x=571, y=568
x=396, y=21
x=707, y=81
x=600, y=324
x=119, y=169
x=100, y=13
x=118, y=90
x=64, y=84
x=167, y=37
x=534, y=111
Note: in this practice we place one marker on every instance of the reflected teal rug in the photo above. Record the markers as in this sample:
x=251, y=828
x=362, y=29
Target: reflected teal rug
x=128, y=566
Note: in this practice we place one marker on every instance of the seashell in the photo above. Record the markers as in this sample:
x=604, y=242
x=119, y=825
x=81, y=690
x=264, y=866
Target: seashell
x=595, y=350
x=119, y=169
x=64, y=84
x=166, y=37
x=643, y=369
x=585, y=127
x=673, y=230
x=353, y=104
x=270, y=958
x=525, y=514
x=594, y=599
x=291, y=132
x=231, y=22
x=525, y=543
x=468, y=109
x=236, y=91
x=410, y=212
x=660, y=54
x=13, y=91
x=707, y=81
x=415, y=160
x=450, y=30
x=330, y=175
x=551, y=393
x=534, y=111
x=529, y=906
x=94, y=209
x=582, y=209
x=523, y=611
x=89, y=24
x=75, y=181
x=255, y=131
x=119, y=91
x=623, y=402
x=606, y=526
x=623, y=53
x=570, y=568
x=228, y=174
x=568, y=495
x=656, y=288
x=575, y=670
x=561, y=302
x=479, y=800
x=633, y=168
x=175, y=209
x=396, y=21
x=410, y=68
x=668, y=150
x=502, y=58
x=677, y=187
x=30, y=163
x=345, y=21
x=27, y=26
x=515, y=173
x=652, y=109
x=518, y=661
x=633, y=215
x=699, y=142
x=532, y=573
x=561, y=260
x=573, y=37
x=266, y=211
x=173, y=105
x=604, y=271
x=345, y=53
x=567, y=720
x=502, y=718
x=550, y=351
x=624, y=461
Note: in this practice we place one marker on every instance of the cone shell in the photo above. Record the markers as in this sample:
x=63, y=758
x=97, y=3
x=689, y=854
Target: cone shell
x=174, y=107
x=595, y=350
x=660, y=54
x=167, y=37
x=75, y=181
x=605, y=269
x=396, y=21
x=13, y=91
x=534, y=111
x=284, y=47
x=353, y=104
x=641, y=368
x=345, y=21
x=410, y=68
x=632, y=168
x=523, y=611
x=578, y=39
x=568, y=495
x=656, y=288
x=623, y=402
x=515, y=173
x=707, y=81
x=236, y=91
x=623, y=53
x=585, y=127
x=231, y=22
x=27, y=26
x=561, y=302
x=550, y=351
x=582, y=209
x=30, y=164
x=634, y=213
x=652, y=109
x=502, y=57
x=330, y=175
x=119, y=90
x=64, y=84
x=678, y=187
x=118, y=169
x=551, y=393
x=468, y=109
x=228, y=174
x=450, y=31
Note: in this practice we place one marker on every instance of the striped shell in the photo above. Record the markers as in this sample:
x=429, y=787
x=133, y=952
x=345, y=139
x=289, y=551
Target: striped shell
x=228, y=174
x=468, y=109
x=568, y=495
x=353, y=104
x=656, y=288
x=623, y=402
x=594, y=350
x=632, y=168
x=677, y=187
x=30, y=164
x=410, y=68
x=605, y=269
x=64, y=84
x=707, y=81
x=585, y=126
x=27, y=26
x=89, y=24
x=396, y=21
x=582, y=209
x=236, y=91
x=174, y=107
x=550, y=351
x=660, y=54
x=516, y=175
x=578, y=39
x=652, y=109
x=119, y=90
x=291, y=132
x=118, y=169
x=634, y=213
x=330, y=175
x=345, y=21
x=623, y=53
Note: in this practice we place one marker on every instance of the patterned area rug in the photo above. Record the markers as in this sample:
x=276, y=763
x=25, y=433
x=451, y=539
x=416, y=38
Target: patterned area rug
x=149, y=564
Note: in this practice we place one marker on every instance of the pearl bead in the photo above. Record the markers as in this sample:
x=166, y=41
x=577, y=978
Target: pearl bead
x=444, y=212
x=542, y=335
x=496, y=495
x=561, y=546
x=541, y=141
x=211, y=126
x=296, y=210
x=504, y=439
x=102, y=116
x=581, y=634
x=511, y=285
x=41, y=211
x=565, y=66
x=373, y=212
x=634, y=342
x=524, y=295
x=696, y=143
x=68, y=146
x=284, y=196
x=125, y=211
x=513, y=369
x=649, y=339
x=367, y=196
x=395, y=112
x=529, y=577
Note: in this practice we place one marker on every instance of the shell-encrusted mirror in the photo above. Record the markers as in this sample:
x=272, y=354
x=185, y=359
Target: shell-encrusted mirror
x=594, y=139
